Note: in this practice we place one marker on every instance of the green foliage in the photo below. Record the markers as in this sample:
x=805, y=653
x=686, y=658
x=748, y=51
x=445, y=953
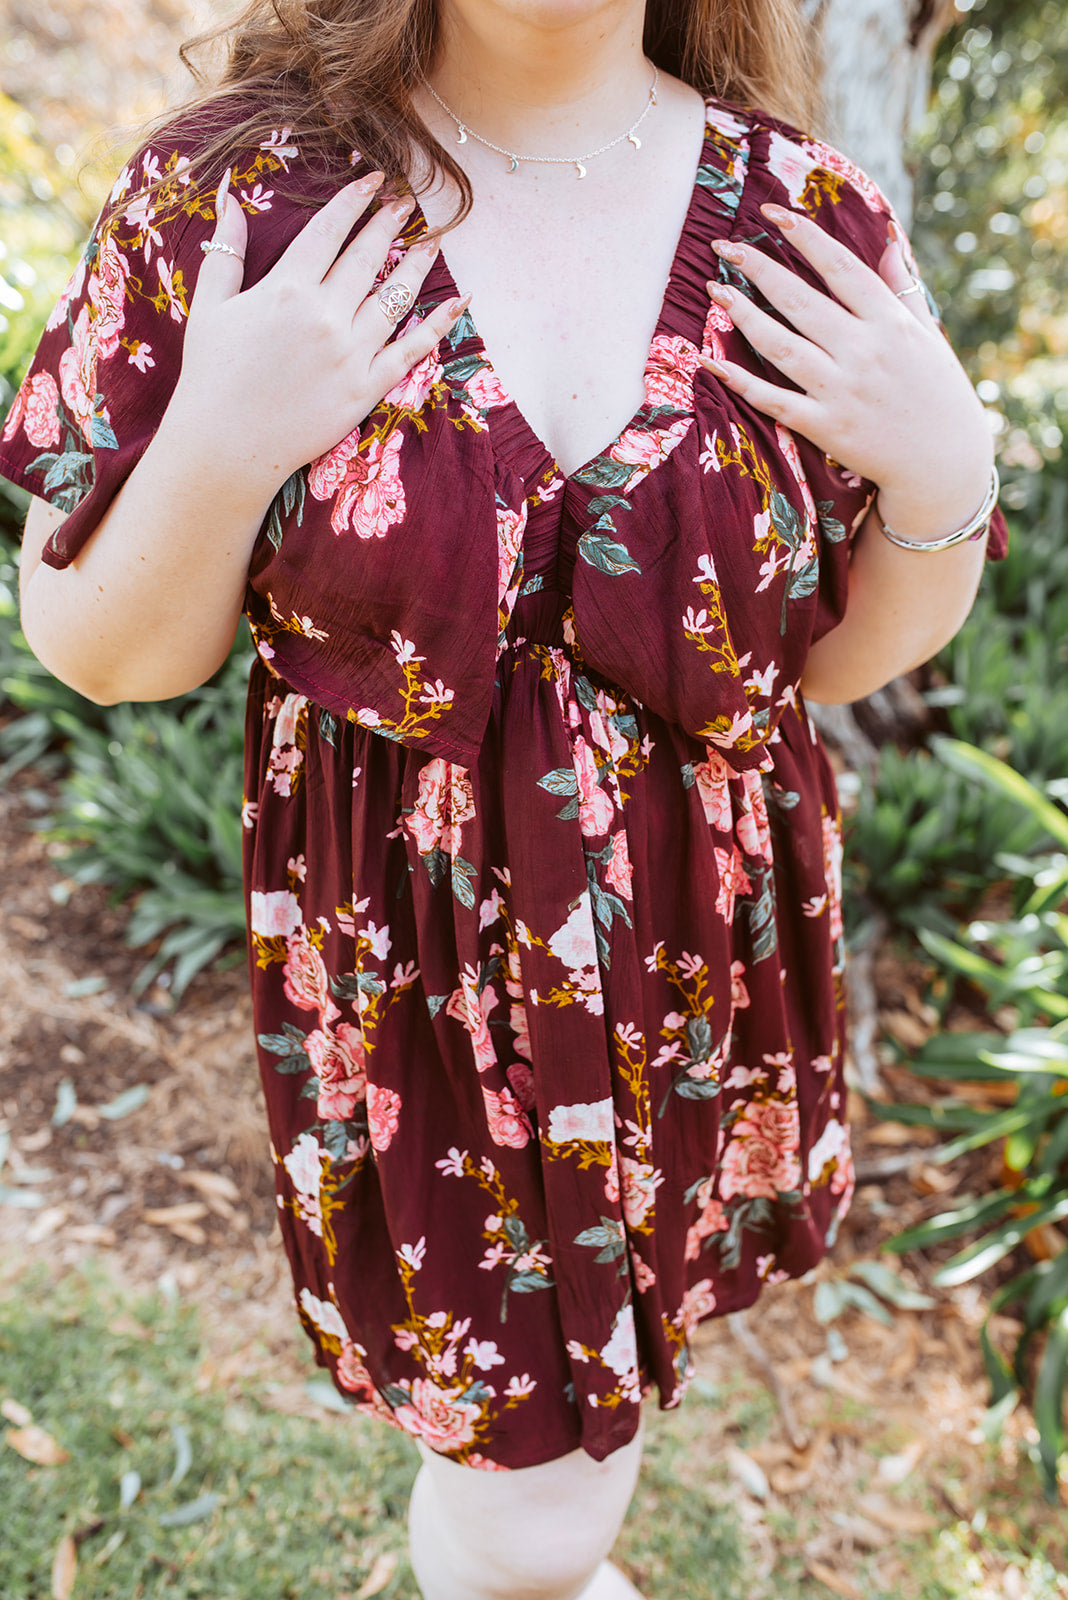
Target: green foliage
x=1023, y=959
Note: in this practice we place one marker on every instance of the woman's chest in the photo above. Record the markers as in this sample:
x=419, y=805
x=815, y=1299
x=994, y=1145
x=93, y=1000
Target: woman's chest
x=567, y=286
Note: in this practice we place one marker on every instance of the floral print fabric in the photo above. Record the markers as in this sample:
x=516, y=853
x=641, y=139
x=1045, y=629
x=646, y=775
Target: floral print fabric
x=543, y=852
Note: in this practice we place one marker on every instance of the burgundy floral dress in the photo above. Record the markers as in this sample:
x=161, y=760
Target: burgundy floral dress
x=543, y=851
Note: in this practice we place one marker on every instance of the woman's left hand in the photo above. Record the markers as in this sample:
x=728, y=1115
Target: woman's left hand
x=881, y=390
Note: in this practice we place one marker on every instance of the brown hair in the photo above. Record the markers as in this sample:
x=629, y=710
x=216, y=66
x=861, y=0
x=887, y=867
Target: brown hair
x=341, y=72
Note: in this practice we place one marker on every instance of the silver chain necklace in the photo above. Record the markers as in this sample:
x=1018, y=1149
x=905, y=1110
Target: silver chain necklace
x=578, y=162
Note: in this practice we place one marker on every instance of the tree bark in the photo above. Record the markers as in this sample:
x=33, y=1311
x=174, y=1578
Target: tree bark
x=877, y=80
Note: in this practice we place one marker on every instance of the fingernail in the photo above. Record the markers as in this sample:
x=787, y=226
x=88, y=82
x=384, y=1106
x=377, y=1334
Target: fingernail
x=779, y=215
x=403, y=205
x=222, y=194
x=720, y=293
x=729, y=252
x=715, y=367
x=369, y=184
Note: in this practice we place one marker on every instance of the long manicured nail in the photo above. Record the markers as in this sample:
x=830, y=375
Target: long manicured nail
x=370, y=183
x=715, y=367
x=721, y=294
x=779, y=215
x=729, y=252
x=403, y=205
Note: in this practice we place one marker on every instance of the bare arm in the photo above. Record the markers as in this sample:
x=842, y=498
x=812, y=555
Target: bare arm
x=272, y=377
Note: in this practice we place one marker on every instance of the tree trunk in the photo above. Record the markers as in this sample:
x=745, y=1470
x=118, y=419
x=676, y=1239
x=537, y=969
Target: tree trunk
x=877, y=80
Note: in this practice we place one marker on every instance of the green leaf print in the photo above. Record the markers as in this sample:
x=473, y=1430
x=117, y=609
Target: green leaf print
x=72, y=469
x=464, y=328
x=533, y=585
x=477, y=1393
x=603, y=505
x=516, y=1234
x=606, y=554
x=830, y=526
x=803, y=581
x=604, y=473
x=328, y=726
x=462, y=875
x=528, y=1281
x=395, y=1396
x=585, y=693
x=289, y=497
x=102, y=432
x=336, y=1136
x=689, y=776
x=561, y=780
x=435, y=862
x=760, y=915
x=725, y=184
x=699, y=1038
x=349, y=985
x=289, y=1046
x=608, y=1240
x=434, y=1003
x=698, y=1088
x=461, y=368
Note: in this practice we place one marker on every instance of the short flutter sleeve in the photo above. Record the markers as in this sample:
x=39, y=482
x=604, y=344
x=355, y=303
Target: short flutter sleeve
x=111, y=351
x=805, y=174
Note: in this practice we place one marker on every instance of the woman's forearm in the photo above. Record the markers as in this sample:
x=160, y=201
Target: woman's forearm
x=150, y=607
x=903, y=606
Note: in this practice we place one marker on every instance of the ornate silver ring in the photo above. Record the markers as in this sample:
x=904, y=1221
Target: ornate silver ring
x=396, y=299
x=208, y=245
x=915, y=287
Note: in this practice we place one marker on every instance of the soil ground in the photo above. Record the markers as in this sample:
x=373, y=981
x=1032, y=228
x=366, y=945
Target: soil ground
x=873, y=1438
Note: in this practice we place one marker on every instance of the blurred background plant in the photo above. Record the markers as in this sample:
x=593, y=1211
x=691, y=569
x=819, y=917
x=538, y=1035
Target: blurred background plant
x=962, y=870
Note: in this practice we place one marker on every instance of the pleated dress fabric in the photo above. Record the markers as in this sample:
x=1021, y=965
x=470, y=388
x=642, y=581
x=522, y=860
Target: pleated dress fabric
x=542, y=848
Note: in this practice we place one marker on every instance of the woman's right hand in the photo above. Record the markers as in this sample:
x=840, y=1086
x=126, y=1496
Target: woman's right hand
x=274, y=376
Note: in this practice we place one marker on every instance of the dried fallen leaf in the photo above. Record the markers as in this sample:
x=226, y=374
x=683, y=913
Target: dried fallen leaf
x=91, y=1233
x=833, y=1581
x=167, y=1216
x=896, y=1468
x=748, y=1472
x=212, y=1183
x=861, y=1530
x=34, y=1444
x=384, y=1567
x=14, y=1412
x=47, y=1223
x=64, y=1568
x=791, y=1479
x=898, y=1518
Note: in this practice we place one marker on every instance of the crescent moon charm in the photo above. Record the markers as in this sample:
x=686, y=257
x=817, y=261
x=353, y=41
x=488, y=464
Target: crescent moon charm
x=634, y=140
x=461, y=137
x=580, y=169
x=513, y=164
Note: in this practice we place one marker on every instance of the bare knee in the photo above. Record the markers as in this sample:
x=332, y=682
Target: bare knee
x=538, y=1533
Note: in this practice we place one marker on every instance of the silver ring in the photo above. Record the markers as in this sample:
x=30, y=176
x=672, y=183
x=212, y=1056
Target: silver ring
x=227, y=249
x=395, y=299
x=915, y=287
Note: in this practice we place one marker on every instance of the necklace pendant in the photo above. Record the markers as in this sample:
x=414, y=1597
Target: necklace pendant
x=634, y=140
x=580, y=169
x=461, y=133
x=513, y=164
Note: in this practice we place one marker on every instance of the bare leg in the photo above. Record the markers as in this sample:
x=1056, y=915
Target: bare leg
x=538, y=1533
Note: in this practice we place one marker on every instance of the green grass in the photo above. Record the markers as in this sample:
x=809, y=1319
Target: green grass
x=307, y=1507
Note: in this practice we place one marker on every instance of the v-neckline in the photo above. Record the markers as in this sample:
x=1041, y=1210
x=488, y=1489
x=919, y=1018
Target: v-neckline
x=473, y=344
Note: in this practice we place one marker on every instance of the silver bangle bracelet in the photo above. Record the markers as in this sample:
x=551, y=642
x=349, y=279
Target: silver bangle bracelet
x=975, y=529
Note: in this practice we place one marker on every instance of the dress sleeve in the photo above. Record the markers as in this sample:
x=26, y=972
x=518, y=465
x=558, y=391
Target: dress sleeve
x=806, y=174
x=109, y=357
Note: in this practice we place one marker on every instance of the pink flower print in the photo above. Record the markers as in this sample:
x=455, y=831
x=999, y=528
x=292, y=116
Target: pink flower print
x=353, y=1376
x=485, y=389
x=510, y=526
x=276, y=913
x=507, y=1121
x=521, y=1078
x=16, y=414
x=41, y=407
x=644, y=1276
x=711, y=1219
x=714, y=790
x=472, y=1009
x=440, y=1417
x=752, y=829
x=574, y=943
x=338, y=1062
x=732, y=881
x=520, y=1026
x=611, y=1178
x=698, y=1301
x=383, y=1115
x=824, y=155
x=588, y=1120
x=413, y=390
x=788, y=446
x=367, y=485
x=77, y=374
x=727, y=124
x=739, y=992
x=107, y=292
x=791, y=164
x=669, y=373
x=638, y=1186
x=446, y=801
x=287, y=720
x=306, y=982
x=304, y=1164
x=717, y=321
x=647, y=447
x=595, y=806
x=761, y=1155
x=619, y=870
x=832, y=869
